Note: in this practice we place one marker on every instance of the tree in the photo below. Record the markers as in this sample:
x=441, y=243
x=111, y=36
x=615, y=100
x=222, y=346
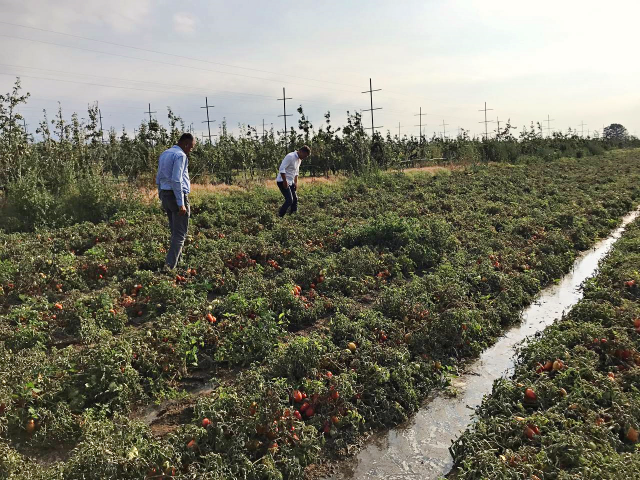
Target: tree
x=615, y=132
x=14, y=142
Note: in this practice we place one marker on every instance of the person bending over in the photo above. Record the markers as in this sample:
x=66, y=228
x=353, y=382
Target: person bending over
x=287, y=179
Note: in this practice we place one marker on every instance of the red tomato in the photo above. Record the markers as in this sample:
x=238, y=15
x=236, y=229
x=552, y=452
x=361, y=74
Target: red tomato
x=530, y=395
x=206, y=422
x=31, y=426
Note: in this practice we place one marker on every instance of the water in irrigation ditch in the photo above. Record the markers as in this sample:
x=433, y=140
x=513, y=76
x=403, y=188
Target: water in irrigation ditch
x=420, y=449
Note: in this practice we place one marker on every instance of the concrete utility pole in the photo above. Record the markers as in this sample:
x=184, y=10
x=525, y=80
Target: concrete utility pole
x=284, y=108
x=101, y=130
x=370, y=92
x=582, y=124
x=444, y=130
x=150, y=112
x=549, y=120
x=420, y=115
x=207, y=121
x=485, y=110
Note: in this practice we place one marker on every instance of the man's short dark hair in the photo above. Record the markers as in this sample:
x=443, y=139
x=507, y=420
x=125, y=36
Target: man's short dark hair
x=305, y=149
x=186, y=137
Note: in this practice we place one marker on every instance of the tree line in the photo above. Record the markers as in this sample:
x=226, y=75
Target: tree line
x=72, y=170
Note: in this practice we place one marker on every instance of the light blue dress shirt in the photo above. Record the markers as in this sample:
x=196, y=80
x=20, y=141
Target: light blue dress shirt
x=173, y=173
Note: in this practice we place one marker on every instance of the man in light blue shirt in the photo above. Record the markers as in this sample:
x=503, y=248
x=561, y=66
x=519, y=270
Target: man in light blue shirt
x=173, y=189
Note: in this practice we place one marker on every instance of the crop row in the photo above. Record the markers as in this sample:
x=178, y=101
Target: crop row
x=572, y=408
x=312, y=329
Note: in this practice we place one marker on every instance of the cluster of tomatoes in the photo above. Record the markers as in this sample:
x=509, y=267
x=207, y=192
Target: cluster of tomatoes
x=102, y=271
x=383, y=275
x=274, y=264
x=550, y=366
x=296, y=291
x=241, y=260
x=312, y=246
x=495, y=261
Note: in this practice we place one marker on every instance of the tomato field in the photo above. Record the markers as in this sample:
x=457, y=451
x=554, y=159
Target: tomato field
x=572, y=409
x=280, y=343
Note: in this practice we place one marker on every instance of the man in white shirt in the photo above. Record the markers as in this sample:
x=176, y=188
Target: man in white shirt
x=287, y=178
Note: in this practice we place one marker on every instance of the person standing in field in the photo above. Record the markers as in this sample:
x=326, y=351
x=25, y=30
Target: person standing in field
x=287, y=178
x=173, y=189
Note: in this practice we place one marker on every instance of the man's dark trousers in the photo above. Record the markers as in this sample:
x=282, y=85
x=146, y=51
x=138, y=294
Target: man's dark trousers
x=290, y=198
x=178, y=224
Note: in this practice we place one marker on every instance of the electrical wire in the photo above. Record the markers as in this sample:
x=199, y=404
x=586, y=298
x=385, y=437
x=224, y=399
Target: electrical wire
x=172, y=64
x=172, y=54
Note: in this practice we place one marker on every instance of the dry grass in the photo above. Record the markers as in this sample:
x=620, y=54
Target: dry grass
x=435, y=169
x=197, y=189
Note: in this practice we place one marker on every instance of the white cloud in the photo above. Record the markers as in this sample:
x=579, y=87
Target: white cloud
x=119, y=15
x=184, y=23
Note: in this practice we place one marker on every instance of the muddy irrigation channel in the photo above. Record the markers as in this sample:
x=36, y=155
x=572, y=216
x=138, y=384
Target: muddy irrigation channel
x=420, y=448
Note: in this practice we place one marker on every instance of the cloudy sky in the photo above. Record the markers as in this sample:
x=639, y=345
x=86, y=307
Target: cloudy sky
x=575, y=61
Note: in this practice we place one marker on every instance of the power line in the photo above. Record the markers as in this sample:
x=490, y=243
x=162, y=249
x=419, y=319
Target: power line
x=180, y=86
x=172, y=54
x=168, y=63
x=127, y=88
x=183, y=56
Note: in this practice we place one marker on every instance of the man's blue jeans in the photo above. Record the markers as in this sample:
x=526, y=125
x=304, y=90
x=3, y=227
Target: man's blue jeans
x=178, y=224
x=290, y=198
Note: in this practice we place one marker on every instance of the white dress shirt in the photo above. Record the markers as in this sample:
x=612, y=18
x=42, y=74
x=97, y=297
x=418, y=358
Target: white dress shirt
x=290, y=166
